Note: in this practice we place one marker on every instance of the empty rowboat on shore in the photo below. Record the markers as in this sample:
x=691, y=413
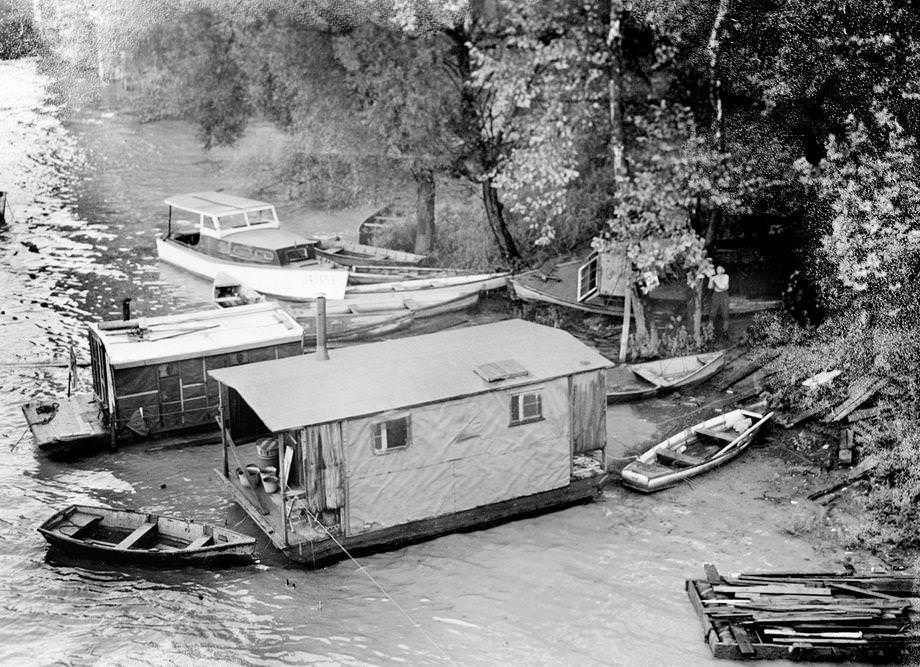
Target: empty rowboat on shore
x=694, y=451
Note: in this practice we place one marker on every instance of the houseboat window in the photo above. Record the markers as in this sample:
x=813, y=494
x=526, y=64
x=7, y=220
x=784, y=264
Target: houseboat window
x=526, y=407
x=391, y=434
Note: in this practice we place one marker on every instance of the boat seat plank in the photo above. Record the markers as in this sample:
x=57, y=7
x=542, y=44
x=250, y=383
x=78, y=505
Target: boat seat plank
x=84, y=523
x=717, y=435
x=200, y=542
x=139, y=533
x=679, y=459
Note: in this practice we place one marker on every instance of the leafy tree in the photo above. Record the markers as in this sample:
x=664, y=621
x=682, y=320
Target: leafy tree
x=869, y=183
x=408, y=103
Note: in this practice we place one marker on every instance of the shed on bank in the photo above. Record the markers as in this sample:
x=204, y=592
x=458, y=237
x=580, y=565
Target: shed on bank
x=391, y=442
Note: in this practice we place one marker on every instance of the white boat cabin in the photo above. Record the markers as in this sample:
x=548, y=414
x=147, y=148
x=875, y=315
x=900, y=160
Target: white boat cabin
x=234, y=229
x=400, y=440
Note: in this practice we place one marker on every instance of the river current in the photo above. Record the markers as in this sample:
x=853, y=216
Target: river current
x=596, y=584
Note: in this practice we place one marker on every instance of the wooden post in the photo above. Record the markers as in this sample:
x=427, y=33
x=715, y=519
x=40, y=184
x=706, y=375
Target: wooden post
x=2, y=208
x=698, y=313
x=282, y=488
x=322, y=353
x=223, y=435
x=624, y=335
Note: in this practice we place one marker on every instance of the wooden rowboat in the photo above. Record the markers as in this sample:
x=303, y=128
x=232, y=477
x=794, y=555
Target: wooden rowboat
x=368, y=275
x=694, y=451
x=346, y=253
x=354, y=326
x=138, y=537
x=652, y=378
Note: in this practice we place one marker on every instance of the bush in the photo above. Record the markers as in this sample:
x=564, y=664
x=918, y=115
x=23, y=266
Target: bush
x=17, y=34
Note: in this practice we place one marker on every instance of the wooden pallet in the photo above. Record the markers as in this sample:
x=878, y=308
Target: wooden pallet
x=806, y=616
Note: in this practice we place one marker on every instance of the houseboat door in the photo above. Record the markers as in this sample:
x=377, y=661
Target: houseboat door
x=324, y=472
x=588, y=403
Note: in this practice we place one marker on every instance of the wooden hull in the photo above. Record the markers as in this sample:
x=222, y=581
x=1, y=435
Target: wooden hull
x=561, y=289
x=356, y=254
x=369, y=275
x=678, y=372
x=323, y=552
x=648, y=473
x=126, y=536
x=352, y=326
x=655, y=378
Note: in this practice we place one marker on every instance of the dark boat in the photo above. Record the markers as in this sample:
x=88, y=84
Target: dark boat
x=105, y=534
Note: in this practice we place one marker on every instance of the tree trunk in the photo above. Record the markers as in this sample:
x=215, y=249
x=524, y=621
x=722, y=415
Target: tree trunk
x=495, y=214
x=638, y=305
x=698, y=313
x=424, y=212
x=715, y=82
x=615, y=87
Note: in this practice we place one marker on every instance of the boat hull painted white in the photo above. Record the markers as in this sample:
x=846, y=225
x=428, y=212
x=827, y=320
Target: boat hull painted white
x=641, y=482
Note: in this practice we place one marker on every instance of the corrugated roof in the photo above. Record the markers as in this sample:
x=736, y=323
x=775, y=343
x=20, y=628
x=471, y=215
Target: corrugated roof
x=214, y=203
x=200, y=333
x=376, y=377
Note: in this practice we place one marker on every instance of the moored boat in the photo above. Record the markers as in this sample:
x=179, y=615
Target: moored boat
x=455, y=430
x=106, y=534
x=149, y=376
x=221, y=233
x=651, y=378
x=367, y=275
x=347, y=253
x=694, y=451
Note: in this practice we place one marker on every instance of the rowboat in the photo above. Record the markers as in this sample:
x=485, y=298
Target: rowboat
x=128, y=536
x=346, y=253
x=694, y=451
x=355, y=326
x=652, y=378
x=366, y=275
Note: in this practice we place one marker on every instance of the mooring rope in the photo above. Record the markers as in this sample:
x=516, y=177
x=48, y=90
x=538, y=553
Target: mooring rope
x=16, y=444
x=382, y=590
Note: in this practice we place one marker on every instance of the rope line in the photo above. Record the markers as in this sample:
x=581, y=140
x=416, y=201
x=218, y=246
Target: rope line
x=16, y=444
x=382, y=590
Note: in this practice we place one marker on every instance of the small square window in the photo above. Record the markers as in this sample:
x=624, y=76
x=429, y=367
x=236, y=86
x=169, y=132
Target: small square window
x=526, y=407
x=391, y=434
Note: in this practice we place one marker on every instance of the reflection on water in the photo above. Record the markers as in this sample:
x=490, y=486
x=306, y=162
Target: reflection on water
x=595, y=584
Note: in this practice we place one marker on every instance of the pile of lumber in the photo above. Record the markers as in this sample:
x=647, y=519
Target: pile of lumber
x=808, y=616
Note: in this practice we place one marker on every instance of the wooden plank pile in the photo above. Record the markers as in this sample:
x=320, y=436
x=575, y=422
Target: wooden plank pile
x=808, y=616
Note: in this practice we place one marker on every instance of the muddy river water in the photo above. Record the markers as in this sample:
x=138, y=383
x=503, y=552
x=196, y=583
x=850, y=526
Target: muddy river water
x=596, y=584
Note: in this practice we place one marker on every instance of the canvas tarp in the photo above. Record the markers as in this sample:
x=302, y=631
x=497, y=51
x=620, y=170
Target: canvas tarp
x=463, y=454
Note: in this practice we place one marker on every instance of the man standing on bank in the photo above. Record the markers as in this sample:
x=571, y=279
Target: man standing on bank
x=718, y=283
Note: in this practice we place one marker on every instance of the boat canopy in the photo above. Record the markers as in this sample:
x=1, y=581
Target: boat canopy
x=157, y=340
x=369, y=379
x=217, y=210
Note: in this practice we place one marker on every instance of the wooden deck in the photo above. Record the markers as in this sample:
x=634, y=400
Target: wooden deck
x=64, y=423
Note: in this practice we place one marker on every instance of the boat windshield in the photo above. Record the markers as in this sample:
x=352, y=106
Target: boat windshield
x=261, y=216
x=233, y=220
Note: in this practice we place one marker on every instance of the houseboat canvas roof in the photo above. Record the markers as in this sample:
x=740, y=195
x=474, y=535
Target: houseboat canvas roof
x=157, y=340
x=215, y=203
x=375, y=377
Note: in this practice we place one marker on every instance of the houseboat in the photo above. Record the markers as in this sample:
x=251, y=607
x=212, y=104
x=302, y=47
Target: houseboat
x=149, y=375
x=383, y=444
